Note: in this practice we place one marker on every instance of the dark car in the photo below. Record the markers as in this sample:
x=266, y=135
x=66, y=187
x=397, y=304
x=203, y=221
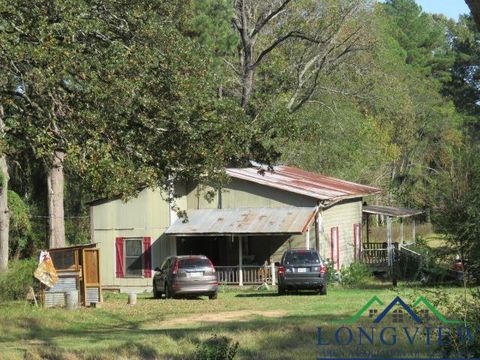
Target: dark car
x=192, y=275
x=302, y=269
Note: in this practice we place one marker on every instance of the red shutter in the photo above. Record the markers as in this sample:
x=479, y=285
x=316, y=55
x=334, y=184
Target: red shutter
x=147, y=257
x=335, y=246
x=120, y=272
x=332, y=244
x=357, y=244
x=338, y=249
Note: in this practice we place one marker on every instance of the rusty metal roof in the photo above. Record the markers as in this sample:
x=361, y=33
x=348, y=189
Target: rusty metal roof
x=260, y=221
x=303, y=182
x=391, y=211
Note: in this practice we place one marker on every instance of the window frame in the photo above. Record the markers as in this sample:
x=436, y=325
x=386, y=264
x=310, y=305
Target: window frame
x=125, y=256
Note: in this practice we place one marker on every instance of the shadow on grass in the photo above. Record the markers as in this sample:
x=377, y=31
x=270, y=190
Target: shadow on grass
x=260, y=338
x=271, y=294
x=185, y=297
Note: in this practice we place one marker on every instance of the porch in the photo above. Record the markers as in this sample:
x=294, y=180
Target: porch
x=242, y=243
x=384, y=256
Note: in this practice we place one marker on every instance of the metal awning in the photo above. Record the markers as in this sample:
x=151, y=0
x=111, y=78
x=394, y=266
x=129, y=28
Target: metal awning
x=391, y=211
x=244, y=221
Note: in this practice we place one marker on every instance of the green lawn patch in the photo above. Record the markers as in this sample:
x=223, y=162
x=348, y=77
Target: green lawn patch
x=265, y=325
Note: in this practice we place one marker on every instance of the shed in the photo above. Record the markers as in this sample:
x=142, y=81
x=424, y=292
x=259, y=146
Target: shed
x=78, y=268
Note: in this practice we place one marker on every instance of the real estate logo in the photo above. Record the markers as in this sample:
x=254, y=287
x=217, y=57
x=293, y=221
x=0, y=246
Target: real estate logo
x=398, y=326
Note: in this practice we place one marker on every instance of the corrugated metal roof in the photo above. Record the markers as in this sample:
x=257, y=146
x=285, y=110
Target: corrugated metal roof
x=303, y=182
x=244, y=221
x=391, y=211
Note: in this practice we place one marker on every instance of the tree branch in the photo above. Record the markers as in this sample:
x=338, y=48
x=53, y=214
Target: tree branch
x=265, y=18
x=280, y=40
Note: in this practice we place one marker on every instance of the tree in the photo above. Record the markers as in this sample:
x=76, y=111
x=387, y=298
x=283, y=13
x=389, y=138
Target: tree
x=462, y=86
x=109, y=93
x=474, y=6
x=456, y=210
x=326, y=33
x=4, y=212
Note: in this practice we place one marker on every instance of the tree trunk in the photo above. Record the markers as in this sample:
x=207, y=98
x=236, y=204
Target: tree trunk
x=248, y=72
x=474, y=6
x=55, y=183
x=4, y=213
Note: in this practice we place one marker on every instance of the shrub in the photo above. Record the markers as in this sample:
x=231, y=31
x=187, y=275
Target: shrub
x=355, y=274
x=216, y=348
x=466, y=308
x=15, y=282
x=331, y=273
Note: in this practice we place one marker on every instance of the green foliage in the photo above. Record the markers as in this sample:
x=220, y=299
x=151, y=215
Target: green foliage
x=356, y=274
x=465, y=306
x=20, y=225
x=211, y=25
x=126, y=94
x=14, y=283
x=457, y=206
x=216, y=348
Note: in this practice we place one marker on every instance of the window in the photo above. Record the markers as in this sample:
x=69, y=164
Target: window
x=302, y=257
x=193, y=262
x=133, y=257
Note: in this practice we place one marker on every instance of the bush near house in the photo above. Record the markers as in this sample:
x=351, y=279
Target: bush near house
x=356, y=274
x=14, y=283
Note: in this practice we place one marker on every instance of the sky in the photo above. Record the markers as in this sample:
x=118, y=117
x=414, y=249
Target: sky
x=450, y=8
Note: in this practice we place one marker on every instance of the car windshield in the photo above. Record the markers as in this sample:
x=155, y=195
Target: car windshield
x=193, y=262
x=301, y=257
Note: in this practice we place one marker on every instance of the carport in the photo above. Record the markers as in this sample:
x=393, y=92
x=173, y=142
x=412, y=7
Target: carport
x=244, y=234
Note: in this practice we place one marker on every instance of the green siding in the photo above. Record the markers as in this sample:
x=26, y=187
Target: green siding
x=146, y=215
x=240, y=193
x=149, y=215
x=344, y=215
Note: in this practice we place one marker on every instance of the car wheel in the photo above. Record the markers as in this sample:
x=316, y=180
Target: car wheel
x=281, y=290
x=168, y=291
x=323, y=290
x=156, y=294
x=213, y=296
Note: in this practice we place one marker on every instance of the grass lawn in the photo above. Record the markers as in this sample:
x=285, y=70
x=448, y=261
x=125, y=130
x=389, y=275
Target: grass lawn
x=265, y=325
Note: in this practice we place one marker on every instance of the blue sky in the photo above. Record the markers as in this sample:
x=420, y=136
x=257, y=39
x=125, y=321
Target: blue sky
x=450, y=8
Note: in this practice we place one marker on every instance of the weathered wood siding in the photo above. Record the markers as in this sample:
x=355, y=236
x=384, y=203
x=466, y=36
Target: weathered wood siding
x=148, y=215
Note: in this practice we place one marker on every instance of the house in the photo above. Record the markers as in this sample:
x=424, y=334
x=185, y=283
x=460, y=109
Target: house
x=249, y=222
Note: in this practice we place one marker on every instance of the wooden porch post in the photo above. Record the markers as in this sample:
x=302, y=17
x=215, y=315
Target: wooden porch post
x=240, y=261
x=390, y=252
x=317, y=231
x=307, y=239
x=389, y=241
x=368, y=228
x=413, y=231
x=401, y=230
x=272, y=269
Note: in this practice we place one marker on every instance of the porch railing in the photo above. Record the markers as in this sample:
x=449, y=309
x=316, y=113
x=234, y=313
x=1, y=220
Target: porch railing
x=376, y=254
x=251, y=274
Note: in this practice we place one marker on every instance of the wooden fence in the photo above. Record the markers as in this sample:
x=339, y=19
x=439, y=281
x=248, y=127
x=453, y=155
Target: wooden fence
x=250, y=275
